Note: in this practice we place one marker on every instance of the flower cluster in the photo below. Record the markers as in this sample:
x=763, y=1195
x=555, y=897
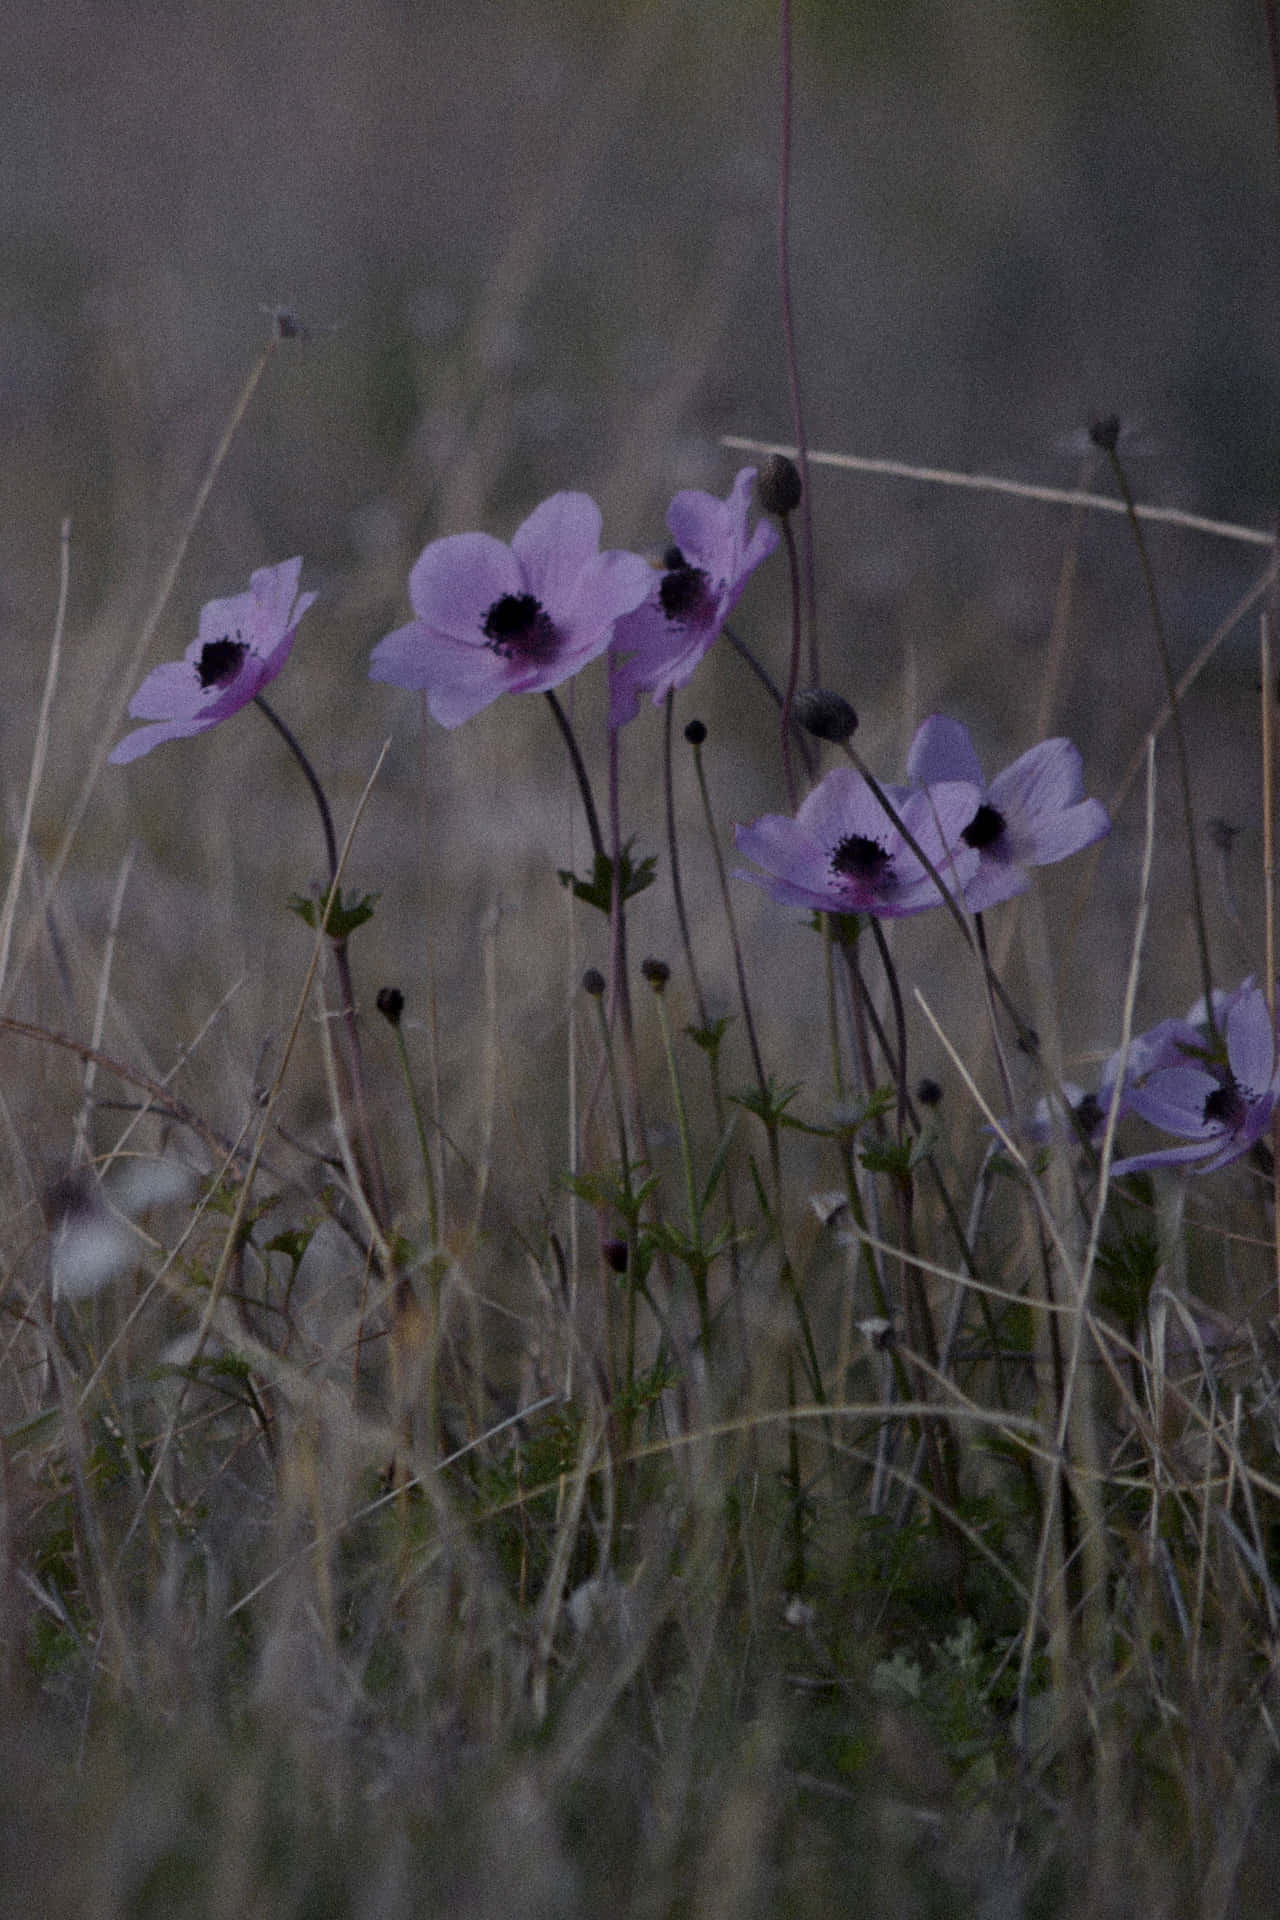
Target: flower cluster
x=1214, y=1092
x=845, y=853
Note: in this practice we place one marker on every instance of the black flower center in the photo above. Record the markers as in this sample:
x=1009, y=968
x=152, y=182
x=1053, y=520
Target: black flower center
x=984, y=829
x=684, y=589
x=1226, y=1105
x=518, y=627
x=858, y=857
x=219, y=661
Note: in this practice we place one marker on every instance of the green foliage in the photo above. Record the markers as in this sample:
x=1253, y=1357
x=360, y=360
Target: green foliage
x=343, y=917
x=597, y=889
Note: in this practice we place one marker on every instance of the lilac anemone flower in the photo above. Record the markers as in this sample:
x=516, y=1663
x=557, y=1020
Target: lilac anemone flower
x=1032, y=814
x=240, y=647
x=492, y=619
x=1220, y=1108
x=658, y=646
x=843, y=854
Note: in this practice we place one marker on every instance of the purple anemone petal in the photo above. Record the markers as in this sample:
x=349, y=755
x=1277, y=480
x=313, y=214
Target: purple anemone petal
x=241, y=645
x=493, y=619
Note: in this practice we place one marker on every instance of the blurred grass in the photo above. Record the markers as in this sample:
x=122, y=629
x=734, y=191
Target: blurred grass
x=533, y=246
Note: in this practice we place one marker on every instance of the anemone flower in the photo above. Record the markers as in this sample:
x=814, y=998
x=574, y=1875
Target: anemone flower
x=1219, y=1107
x=240, y=647
x=843, y=854
x=1031, y=815
x=492, y=619
x=658, y=646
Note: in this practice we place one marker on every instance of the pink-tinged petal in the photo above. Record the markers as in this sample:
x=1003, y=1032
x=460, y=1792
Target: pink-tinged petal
x=454, y=582
x=554, y=544
x=1251, y=1043
x=942, y=750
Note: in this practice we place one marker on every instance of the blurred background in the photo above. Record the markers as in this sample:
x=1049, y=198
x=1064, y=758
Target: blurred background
x=533, y=247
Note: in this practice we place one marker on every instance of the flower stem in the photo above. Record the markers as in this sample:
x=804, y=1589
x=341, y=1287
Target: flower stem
x=580, y=774
x=373, y=1164
x=1179, y=735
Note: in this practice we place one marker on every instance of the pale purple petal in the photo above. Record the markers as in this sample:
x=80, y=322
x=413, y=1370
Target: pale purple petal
x=261, y=623
x=554, y=545
x=169, y=692
x=942, y=750
x=1251, y=1042
x=455, y=581
x=611, y=585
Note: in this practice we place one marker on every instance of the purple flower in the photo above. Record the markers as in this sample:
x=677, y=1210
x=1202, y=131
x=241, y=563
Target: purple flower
x=1220, y=1107
x=494, y=619
x=843, y=854
x=1031, y=815
x=240, y=647
x=658, y=646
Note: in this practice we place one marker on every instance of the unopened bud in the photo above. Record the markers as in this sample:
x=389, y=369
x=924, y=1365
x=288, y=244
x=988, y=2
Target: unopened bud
x=656, y=972
x=779, y=486
x=593, y=982
x=826, y=714
x=390, y=1004
x=695, y=733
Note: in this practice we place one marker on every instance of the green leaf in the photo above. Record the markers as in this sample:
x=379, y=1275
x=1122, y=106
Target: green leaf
x=710, y=1036
x=597, y=889
x=343, y=919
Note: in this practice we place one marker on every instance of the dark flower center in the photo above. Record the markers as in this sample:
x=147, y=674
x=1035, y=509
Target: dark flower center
x=858, y=857
x=684, y=589
x=1227, y=1106
x=984, y=829
x=219, y=661
x=518, y=627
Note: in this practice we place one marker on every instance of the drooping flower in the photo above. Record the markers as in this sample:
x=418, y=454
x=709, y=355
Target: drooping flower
x=492, y=619
x=843, y=854
x=1218, y=1105
x=240, y=647
x=658, y=646
x=1032, y=814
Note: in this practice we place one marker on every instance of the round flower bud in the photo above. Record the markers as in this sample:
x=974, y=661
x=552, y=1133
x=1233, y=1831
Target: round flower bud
x=1105, y=433
x=695, y=733
x=929, y=1093
x=390, y=1004
x=779, y=485
x=826, y=714
x=656, y=972
x=593, y=982
x=615, y=1255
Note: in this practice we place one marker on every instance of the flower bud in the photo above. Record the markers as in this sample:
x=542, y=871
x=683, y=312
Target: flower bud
x=695, y=733
x=779, y=485
x=656, y=972
x=390, y=1004
x=826, y=714
x=593, y=982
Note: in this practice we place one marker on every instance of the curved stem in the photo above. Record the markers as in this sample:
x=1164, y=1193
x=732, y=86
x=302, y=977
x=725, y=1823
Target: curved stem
x=580, y=774
x=309, y=772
